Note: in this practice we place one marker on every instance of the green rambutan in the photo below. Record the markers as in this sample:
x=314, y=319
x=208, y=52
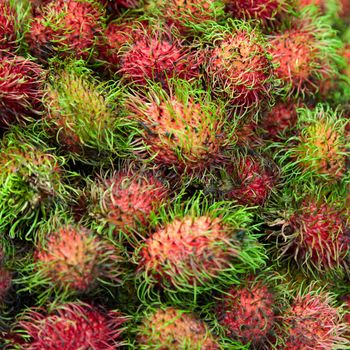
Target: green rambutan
x=70, y=326
x=195, y=249
x=168, y=328
x=156, y=56
x=83, y=115
x=238, y=66
x=65, y=28
x=320, y=148
x=21, y=86
x=183, y=129
x=313, y=322
x=125, y=200
x=32, y=179
x=305, y=53
x=8, y=28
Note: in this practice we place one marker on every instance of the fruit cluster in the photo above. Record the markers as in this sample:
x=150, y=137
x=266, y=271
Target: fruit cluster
x=174, y=175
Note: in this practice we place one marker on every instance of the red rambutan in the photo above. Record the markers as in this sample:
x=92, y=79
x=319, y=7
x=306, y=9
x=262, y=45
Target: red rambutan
x=248, y=312
x=71, y=326
x=168, y=328
x=21, y=86
x=73, y=258
x=65, y=28
x=239, y=67
x=158, y=57
x=126, y=201
x=5, y=282
x=115, y=4
x=7, y=26
x=312, y=323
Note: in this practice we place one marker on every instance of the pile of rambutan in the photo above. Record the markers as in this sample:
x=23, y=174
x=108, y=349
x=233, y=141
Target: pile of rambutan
x=174, y=174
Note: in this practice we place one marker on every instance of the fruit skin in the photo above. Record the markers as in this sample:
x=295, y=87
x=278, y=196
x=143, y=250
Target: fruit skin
x=22, y=88
x=125, y=200
x=156, y=56
x=73, y=325
x=7, y=27
x=168, y=328
x=182, y=130
x=312, y=322
x=75, y=260
x=65, y=28
x=238, y=66
x=248, y=312
x=304, y=54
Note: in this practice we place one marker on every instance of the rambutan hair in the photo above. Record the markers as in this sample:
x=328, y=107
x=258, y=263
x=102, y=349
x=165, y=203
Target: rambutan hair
x=8, y=37
x=73, y=325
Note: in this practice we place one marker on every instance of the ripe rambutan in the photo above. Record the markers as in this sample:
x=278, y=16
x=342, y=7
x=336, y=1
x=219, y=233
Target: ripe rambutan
x=253, y=179
x=21, y=86
x=84, y=116
x=156, y=56
x=5, y=283
x=238, y=66
x=70, y=326
x=116, y=4
x=247, y=312
x=313, y=322
x=265, y=10
x=65, y=28
x=74, y=259
x=305, y=53
x=277, y=121
x=246, y=134
x=196, y=250
x=7, y=26
x=319, y=149
x=168, y=328
x=125, y=200
x=31, y=176
x=183, y=130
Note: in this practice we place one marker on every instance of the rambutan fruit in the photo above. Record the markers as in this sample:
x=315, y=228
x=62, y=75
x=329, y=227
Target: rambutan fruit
x=195, y=249
x=71, y=260
x=168, y=328
x=5, y=283
x=21, y=85
x=305, y=53
x=313, y=322
x=238, y=66
x=246, y=134
x=263, y=10
x=65, y=28
x=125, y=200
x=248, y=312
x=279, y=120
x=31, y=177
x=83, y=116
x=156, y=56
x=319, y=149
x=70, y=326
x=182, y=130
x=7, y=26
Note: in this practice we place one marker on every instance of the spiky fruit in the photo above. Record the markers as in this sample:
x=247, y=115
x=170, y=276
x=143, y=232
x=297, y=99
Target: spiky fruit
x=74, y=259
x=65, y=28
x=238, y=66
x=168, y=328
x=319, y=237
x=304, y=54
x=319, y=149
x=70, y=326
x=5, y=283
x=276, y=122
x=21, y=85
x=197, y=249
x=253, y=179
x=115, y=4
x=248, y=312
x=246, y=135
x=83, y=116
x=125, y=201
x=264, y=10
x=31, y=176
x=313, y=323
x=344, y=10
x=183, y=130
x=321, y=4
x=156, y=56
x=7, y=26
